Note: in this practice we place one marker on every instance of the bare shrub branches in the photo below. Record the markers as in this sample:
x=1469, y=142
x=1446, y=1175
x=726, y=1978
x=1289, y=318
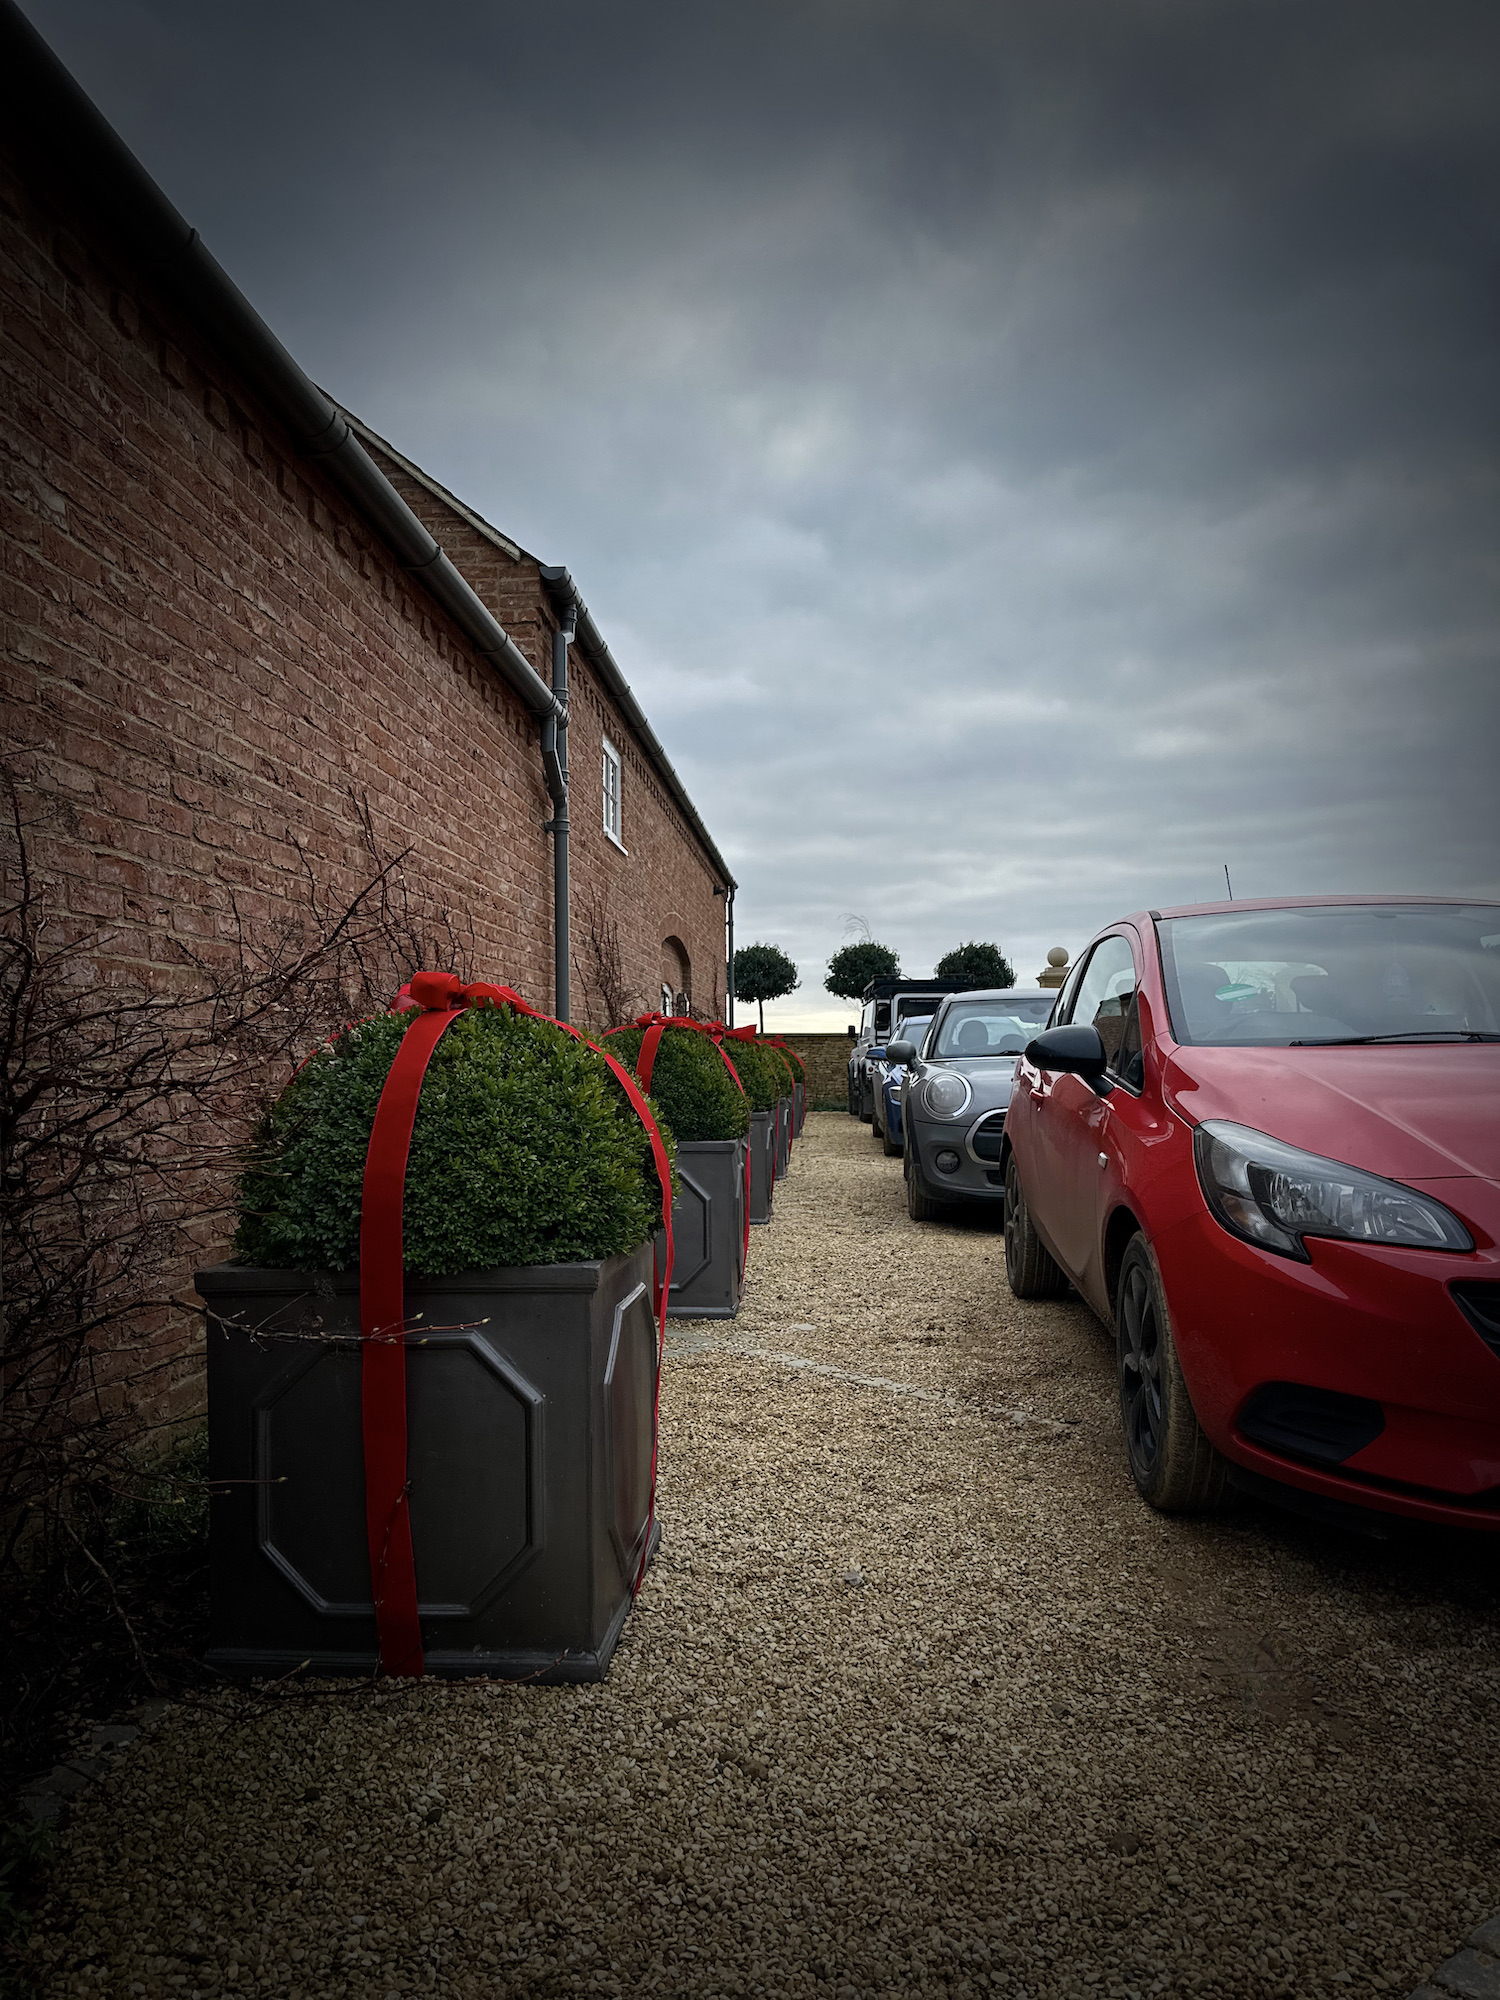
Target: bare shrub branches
x=598, y=966
x=126, y=1096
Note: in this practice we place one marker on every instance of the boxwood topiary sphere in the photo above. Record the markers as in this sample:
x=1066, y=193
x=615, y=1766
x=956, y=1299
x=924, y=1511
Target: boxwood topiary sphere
x=794, y=1062
x=761, y=1071
x=525, y=1151
x=698, y=1097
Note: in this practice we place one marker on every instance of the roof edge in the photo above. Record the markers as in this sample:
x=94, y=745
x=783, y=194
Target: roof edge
x=46, y=110
x=564, y=591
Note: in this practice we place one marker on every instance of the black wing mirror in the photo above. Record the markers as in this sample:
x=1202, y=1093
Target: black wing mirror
x=901, y=1052
x=1073, y=1051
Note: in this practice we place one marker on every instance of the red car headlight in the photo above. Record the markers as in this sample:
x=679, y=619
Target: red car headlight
x=1275, y=1195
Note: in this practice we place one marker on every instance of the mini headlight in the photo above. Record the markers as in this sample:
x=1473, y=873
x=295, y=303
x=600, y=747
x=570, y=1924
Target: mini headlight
x=1275, y=1195
x=946, y=1094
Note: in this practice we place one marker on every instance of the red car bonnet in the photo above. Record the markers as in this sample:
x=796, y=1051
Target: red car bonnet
x=1408, y=1111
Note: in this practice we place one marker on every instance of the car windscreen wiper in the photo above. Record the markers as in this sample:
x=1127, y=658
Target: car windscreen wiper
x=1406, y=1035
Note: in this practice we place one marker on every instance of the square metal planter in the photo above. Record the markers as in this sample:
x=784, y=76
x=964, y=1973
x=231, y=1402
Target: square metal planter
x=799, y=1102
x=531, y=1397
x=762, y=1164
x=784, y=1116
x=708, y=1229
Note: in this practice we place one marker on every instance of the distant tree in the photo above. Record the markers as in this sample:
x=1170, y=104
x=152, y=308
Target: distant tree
x=851, y=969
x=763, y=972
x=975, y=965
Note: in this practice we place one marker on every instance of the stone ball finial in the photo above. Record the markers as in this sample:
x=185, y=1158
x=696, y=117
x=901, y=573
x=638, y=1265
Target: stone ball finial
x=1057, y=956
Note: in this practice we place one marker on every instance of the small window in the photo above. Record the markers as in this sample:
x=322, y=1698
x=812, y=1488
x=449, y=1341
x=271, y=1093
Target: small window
x=612, y=793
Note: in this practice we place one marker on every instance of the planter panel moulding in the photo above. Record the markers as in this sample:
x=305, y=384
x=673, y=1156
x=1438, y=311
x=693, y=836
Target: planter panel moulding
x=708, y=1229
x=763, y=1126
x=530, y=1410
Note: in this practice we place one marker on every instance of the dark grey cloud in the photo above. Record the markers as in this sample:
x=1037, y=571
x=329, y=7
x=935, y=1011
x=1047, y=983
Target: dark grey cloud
x=1024, y=455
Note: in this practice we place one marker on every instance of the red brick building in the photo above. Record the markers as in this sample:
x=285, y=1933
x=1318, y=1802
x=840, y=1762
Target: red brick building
x=245, y=642
x=232, y=615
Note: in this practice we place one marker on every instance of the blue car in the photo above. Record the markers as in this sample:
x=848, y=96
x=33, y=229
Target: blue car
x=885, y=1081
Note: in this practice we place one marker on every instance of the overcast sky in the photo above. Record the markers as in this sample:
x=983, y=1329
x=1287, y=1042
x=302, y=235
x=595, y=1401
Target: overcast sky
x=1023, y=456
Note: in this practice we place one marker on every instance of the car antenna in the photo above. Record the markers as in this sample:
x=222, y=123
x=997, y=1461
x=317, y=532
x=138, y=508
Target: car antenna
x=1227, y=884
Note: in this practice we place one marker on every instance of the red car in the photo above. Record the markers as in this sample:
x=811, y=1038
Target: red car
x=1263, y=1141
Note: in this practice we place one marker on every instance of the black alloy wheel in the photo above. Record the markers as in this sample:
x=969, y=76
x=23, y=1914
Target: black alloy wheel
x=1030, y=1267
x=1172, y=1463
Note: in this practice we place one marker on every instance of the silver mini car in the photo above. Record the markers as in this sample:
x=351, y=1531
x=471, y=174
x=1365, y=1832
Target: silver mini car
x=955, y=1094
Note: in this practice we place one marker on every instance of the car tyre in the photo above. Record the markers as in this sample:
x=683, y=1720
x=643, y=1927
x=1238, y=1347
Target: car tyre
x=1172, y=1463
x=1033, y=1271
x=893, y=1148
x=920, y=1205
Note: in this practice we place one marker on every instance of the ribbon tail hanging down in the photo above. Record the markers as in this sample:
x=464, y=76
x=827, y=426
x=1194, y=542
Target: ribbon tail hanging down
x=443, y=996
x=382, y=1315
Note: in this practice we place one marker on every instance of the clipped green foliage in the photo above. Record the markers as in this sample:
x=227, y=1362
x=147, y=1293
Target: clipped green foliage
x=698, y=1097
x=851, y=969
x=525, y=1151
x=763, y=972
x=975, y=966
x=762, y=1072
x=794, y=1060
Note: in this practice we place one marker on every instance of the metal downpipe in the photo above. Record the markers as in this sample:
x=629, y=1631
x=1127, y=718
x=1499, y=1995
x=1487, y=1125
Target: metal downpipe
x=729, y=982
x=555, y=762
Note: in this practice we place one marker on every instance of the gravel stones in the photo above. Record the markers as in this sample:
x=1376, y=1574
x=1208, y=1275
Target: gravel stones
x=1047, y=1744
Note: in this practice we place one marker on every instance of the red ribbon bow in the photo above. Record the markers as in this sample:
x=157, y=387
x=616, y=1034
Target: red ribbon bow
x=442, y=997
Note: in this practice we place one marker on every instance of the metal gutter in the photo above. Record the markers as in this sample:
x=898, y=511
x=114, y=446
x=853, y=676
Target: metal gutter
x=563, y=592
x=44, y=111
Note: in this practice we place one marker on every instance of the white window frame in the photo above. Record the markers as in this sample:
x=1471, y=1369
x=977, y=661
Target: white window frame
x=613, y=763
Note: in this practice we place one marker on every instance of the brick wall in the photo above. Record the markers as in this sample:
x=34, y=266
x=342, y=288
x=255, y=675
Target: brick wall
x=661, y=887
x=210, y=662
x=827, y=1059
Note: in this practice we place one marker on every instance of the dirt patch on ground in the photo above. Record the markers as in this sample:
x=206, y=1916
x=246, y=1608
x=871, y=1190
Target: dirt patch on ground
x=918, y=1698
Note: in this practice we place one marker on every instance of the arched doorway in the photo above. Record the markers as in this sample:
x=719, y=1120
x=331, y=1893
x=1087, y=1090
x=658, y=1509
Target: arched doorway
x=676, y=977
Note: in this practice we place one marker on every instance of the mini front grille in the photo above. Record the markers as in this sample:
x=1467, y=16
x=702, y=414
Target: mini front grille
x=1480, y=1305
x=986, y=1137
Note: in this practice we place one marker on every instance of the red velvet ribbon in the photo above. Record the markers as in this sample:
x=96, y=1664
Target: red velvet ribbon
x=442, y=996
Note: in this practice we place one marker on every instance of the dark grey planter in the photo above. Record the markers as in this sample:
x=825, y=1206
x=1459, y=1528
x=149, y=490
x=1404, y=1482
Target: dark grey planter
x=530, y=1407
x=708, y=1229
x=783, y=1136
x=799, y=1100
x=762, y=1164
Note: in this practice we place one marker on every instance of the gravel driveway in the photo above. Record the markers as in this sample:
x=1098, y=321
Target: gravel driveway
x=918, y=1698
